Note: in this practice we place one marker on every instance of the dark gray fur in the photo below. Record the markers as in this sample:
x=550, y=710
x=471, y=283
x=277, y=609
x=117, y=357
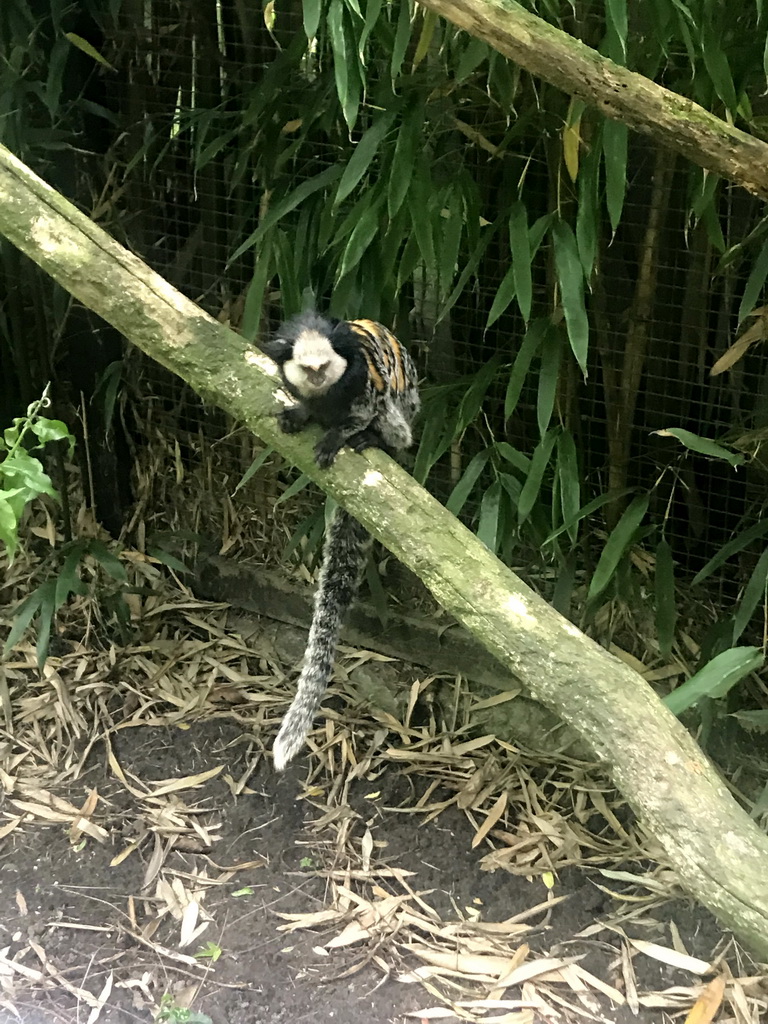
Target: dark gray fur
x=380, y=419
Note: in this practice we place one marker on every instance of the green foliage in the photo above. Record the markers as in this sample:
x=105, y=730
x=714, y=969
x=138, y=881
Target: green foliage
x=170, y=1013
x=90, y=557
x=384, y=162
x=22, y=476
x=716, y=678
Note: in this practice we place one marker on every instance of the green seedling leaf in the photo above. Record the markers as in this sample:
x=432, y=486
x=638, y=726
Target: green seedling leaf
x=716, y=678
x=210, y=951
x=702, y=445
x=617, y=543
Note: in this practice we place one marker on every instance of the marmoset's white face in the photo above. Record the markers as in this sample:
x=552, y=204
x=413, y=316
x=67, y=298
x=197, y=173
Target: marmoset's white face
x=314, y=366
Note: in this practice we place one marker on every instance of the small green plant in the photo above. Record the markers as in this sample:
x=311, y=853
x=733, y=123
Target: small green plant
x=22, y=480
x=210, y=951
x=22, y=476
x=170, y=1013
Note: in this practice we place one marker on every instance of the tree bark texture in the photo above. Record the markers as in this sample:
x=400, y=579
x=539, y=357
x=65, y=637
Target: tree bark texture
x=719, y=853
x=577, y=69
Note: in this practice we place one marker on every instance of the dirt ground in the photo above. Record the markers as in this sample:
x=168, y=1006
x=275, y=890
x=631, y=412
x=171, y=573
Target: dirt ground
x=84, y=915
x=154, y=867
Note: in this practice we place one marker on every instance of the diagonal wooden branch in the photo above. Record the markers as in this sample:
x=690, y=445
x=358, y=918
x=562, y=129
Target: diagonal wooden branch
x=720, y=855
x=577, y=69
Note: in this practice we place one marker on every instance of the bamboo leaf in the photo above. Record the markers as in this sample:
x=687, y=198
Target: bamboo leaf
x=512, y=455
x=473, y=399
x=254, y=296
x=469, y=268
x=469, y=478
x=572, y=137
x=363, y=155
x=425, y=39
x=490, y=508
x=754, y=592
x=364, y=233
x=473, y=56
x=436, y=438
x=298, y=485
x=755, y=283
x=617, y=18
x=533, y=339
x=504, y=295
x=532, y=486
x=587, y=510
x=453, y=229
x=571, y=279
x=372, y=13
x=312, y=10
x=619, y=540
x=570, y=482
x=702, y=445
x=548, y=374
x=520, y=246
x=254, y=467
x=345, y=66
x=87, y=48
x=402, y=38
x=108, y=560
x=743, y=540
x=664, y=586
x=45, y=621
x=615, y=137
x=288, y=204
x=717, y=65
x=422, y=212
x=404, y=159
x=588, y=215
x=716, y=678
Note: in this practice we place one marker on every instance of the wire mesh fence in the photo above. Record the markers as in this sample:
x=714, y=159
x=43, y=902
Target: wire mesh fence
x=224, y=119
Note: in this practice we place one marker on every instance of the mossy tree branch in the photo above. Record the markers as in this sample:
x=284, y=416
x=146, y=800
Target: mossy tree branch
x=720, y=855
x=577, y=69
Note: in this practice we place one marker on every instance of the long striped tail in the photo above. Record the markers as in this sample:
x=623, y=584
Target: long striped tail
x=345, y=553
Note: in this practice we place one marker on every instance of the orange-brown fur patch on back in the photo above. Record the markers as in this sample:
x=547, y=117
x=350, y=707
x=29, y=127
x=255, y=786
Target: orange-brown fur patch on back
x=378, y=341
